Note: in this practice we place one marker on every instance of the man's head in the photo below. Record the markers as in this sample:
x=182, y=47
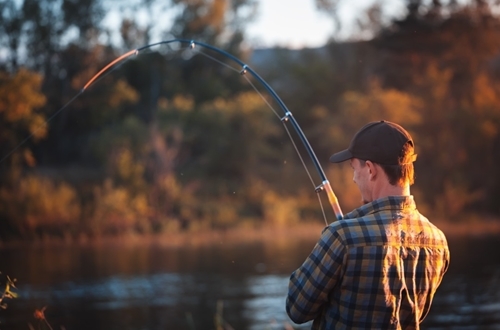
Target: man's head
x=381, y=144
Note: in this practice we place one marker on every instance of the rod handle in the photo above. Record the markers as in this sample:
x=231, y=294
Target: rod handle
x=332, y=198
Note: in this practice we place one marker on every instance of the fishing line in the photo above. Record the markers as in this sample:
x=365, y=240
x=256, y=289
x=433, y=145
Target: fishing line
x=39, y=127
x=305, y=168
x=96, y=78
x=289, y=135
x=287, y=118
x=194, y=50
x=243, y=74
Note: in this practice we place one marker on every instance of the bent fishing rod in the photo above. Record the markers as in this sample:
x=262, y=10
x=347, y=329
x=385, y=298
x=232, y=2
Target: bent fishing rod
x=285, y=118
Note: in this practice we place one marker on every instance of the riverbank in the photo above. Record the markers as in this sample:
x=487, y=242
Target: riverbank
x=486, y=227
x=237, y=235
x=185, y=238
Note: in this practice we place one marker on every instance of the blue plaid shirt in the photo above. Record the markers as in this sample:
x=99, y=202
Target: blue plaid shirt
x=378, y=268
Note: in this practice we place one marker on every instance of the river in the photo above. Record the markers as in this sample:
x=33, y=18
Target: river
x=198, y=286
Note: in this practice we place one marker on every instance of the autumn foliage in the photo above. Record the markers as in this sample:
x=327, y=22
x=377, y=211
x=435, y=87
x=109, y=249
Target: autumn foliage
x=169, y=141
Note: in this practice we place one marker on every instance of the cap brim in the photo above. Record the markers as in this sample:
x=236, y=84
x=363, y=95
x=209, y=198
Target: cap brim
x=341, y=156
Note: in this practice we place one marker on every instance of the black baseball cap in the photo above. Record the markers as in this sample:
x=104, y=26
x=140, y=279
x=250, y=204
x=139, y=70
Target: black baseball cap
x=381, y=142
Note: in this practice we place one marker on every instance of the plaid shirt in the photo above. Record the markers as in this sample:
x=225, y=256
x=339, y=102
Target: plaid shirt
x=378, y=268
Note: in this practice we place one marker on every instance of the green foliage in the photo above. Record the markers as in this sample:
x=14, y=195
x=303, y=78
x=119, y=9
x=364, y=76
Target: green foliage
x=229, y=136
x=37, y=29
x=129, y=135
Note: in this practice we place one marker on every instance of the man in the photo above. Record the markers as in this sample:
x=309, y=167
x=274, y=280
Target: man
x=378, y=267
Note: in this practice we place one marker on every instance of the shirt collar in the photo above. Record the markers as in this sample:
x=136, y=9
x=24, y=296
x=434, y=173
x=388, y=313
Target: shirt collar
x=381, y=204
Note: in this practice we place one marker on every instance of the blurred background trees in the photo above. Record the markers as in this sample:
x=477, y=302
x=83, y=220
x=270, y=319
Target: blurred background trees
x=171, y=140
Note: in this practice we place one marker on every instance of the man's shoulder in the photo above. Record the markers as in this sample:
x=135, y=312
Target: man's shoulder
x=355, y=230
x=433, y=232
x=378, y=228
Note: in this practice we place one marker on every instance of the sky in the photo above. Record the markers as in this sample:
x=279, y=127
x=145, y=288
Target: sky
x=284, y=23
x=299, y=24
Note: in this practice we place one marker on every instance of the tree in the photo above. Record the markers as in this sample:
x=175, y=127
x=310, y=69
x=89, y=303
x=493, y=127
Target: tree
x=20, y=119
x=450, y=64
x=35, y=32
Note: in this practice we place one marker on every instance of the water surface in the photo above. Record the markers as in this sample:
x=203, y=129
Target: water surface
x=150, y=286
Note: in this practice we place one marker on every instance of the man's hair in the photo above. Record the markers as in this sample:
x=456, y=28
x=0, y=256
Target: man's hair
x=402, y=174
x=399, y=175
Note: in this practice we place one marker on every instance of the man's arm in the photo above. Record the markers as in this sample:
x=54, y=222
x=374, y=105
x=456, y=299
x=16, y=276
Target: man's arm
x=311, y=284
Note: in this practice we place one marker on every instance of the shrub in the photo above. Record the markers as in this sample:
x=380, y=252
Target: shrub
x=39, y=205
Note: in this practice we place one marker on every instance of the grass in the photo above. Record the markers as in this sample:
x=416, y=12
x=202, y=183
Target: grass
x=8, y=284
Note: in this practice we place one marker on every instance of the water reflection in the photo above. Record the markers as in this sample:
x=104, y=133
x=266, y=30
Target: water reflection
x=469, y=297
x=153, y=287
x=266, y=294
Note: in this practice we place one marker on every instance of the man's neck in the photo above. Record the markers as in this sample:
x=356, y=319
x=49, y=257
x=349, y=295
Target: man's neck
x=390, y=190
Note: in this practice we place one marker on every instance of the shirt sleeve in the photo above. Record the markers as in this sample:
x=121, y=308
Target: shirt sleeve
x=311, y=284
x=442, y=263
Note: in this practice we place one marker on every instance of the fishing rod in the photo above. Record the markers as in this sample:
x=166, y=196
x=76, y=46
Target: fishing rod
x=285, y=118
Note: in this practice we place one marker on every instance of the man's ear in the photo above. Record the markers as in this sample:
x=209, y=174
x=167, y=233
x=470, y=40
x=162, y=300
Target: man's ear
x=372, y=170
